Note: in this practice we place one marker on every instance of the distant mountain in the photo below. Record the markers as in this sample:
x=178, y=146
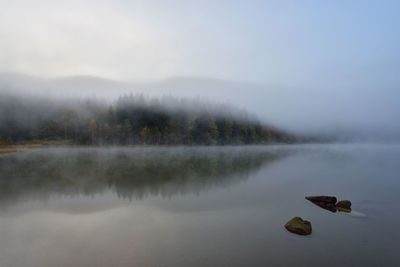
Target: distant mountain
x=72, y=86
x=87, y=80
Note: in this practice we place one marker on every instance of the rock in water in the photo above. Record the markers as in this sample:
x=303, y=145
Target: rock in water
x=298, y=226
x=327, y=206
x=344, y=204
x=324, y=199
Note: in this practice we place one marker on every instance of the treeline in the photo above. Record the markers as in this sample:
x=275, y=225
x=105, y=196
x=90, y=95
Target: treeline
x=131, y=120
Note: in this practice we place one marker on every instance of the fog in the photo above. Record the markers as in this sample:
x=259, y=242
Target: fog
x=311, y=67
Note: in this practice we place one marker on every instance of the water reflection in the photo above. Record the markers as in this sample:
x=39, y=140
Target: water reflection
x=128, y=172
x=197, y=206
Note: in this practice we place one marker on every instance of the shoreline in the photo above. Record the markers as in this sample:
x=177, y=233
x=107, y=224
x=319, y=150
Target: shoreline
x=19, y=148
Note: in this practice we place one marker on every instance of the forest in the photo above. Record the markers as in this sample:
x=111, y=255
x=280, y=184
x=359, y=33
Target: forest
x=130, y=120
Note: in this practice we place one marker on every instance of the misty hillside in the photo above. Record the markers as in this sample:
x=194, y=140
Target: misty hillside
x=339, y=114
x=269, y=103
x=132, y=119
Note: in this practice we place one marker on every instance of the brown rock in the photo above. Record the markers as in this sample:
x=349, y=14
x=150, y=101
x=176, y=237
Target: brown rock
x=323, y=199
x=327, y=206
x=298, y=226
x=344, y=204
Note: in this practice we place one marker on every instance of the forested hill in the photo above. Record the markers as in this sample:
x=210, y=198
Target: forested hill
x=130, y=120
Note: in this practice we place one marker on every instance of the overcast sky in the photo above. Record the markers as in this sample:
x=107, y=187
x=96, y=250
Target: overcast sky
x=344, y=50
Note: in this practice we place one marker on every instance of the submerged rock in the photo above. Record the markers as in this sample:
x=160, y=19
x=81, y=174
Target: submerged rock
x=298, y=226
x=344, y=204
x=356, y=214
x=323, y=199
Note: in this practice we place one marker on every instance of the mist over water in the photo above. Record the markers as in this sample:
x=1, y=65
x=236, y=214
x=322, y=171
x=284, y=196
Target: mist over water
x=198, y=206
x=132, y=173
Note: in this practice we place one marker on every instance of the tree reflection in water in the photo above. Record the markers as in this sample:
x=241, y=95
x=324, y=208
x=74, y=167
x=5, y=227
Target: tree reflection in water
x=129, y=172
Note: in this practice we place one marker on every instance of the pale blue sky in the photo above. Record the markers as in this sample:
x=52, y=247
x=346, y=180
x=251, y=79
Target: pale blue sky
x=290, y=42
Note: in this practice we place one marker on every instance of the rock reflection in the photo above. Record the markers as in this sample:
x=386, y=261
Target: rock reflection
x=130, y=173
x=329, y=203
x=325, y=206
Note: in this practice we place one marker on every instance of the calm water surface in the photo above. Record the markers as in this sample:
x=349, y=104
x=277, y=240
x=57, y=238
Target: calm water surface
x=201, y=206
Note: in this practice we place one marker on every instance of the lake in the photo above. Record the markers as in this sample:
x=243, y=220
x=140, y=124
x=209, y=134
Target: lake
x=198, y=206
